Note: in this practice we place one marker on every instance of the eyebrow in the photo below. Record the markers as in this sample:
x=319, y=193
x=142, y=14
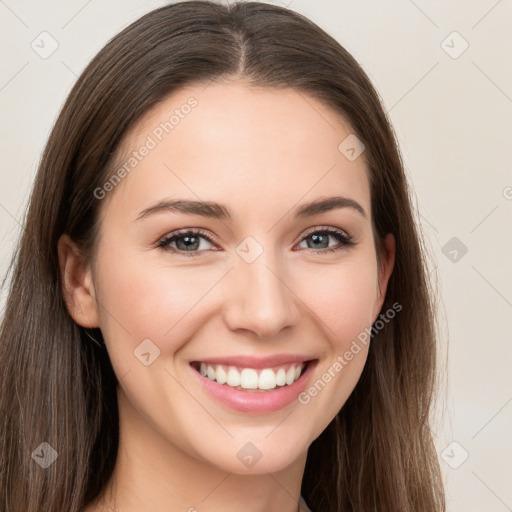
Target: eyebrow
x=218, y=211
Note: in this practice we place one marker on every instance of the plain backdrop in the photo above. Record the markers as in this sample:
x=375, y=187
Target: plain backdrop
x=440, y=68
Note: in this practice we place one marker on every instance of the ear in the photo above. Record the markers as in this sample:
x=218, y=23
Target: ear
x=77, y=285
x=386, y=266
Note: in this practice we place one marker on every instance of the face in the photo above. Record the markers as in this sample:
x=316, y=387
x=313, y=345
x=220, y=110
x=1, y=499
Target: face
x=222, y=318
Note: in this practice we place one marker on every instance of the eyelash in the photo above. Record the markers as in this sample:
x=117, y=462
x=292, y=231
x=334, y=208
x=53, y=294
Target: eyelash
x=344, y=240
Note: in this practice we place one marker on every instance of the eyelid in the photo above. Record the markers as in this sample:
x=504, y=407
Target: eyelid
x=184, y=231
x=330, y=229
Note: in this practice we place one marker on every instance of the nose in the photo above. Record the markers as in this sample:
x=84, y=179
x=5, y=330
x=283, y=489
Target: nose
x=261, y=298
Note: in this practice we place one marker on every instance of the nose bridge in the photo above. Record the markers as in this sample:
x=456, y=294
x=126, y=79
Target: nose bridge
x=261, y=300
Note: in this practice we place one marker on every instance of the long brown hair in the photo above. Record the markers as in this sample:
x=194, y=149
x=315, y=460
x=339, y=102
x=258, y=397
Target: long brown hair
x=58, y=386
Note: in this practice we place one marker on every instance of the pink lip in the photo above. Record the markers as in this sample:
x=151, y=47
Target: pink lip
x=256, y=402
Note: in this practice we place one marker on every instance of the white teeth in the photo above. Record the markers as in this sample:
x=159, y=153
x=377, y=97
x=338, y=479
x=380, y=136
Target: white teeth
x=267, y=379
x=281, y=377
x=290, y=376
x=221, y=375
x=248, y=378
x=233, y=378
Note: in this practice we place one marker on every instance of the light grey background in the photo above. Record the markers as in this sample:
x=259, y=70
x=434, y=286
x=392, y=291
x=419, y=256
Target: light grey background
x=451, y=110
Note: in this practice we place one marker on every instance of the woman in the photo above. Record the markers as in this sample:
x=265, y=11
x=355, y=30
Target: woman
x=219, y=301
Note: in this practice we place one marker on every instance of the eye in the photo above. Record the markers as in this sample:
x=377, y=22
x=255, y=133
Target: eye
x=319, y=239
x=187, y=242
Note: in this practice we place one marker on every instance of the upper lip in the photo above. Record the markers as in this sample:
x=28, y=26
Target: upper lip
x=247, y=361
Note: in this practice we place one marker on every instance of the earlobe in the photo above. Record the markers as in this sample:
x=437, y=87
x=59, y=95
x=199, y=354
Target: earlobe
x=77, y=284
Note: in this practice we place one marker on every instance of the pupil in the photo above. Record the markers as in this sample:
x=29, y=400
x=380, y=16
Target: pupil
x=188, y=242
x=319, y=238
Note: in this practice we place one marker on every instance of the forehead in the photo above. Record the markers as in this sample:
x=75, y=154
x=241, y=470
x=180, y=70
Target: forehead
x=249, y=145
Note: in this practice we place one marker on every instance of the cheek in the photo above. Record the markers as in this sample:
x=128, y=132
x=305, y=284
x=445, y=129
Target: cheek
x=342, y=297
x=138, y=301
x=343, y=300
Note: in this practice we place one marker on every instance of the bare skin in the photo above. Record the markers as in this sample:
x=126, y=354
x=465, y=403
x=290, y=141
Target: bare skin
x=262, y=153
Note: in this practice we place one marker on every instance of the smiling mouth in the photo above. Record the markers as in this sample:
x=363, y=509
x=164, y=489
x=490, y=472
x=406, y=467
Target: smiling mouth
x=252, y=379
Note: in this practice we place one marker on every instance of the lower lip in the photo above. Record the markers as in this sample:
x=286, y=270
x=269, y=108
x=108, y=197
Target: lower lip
x=257, y=402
